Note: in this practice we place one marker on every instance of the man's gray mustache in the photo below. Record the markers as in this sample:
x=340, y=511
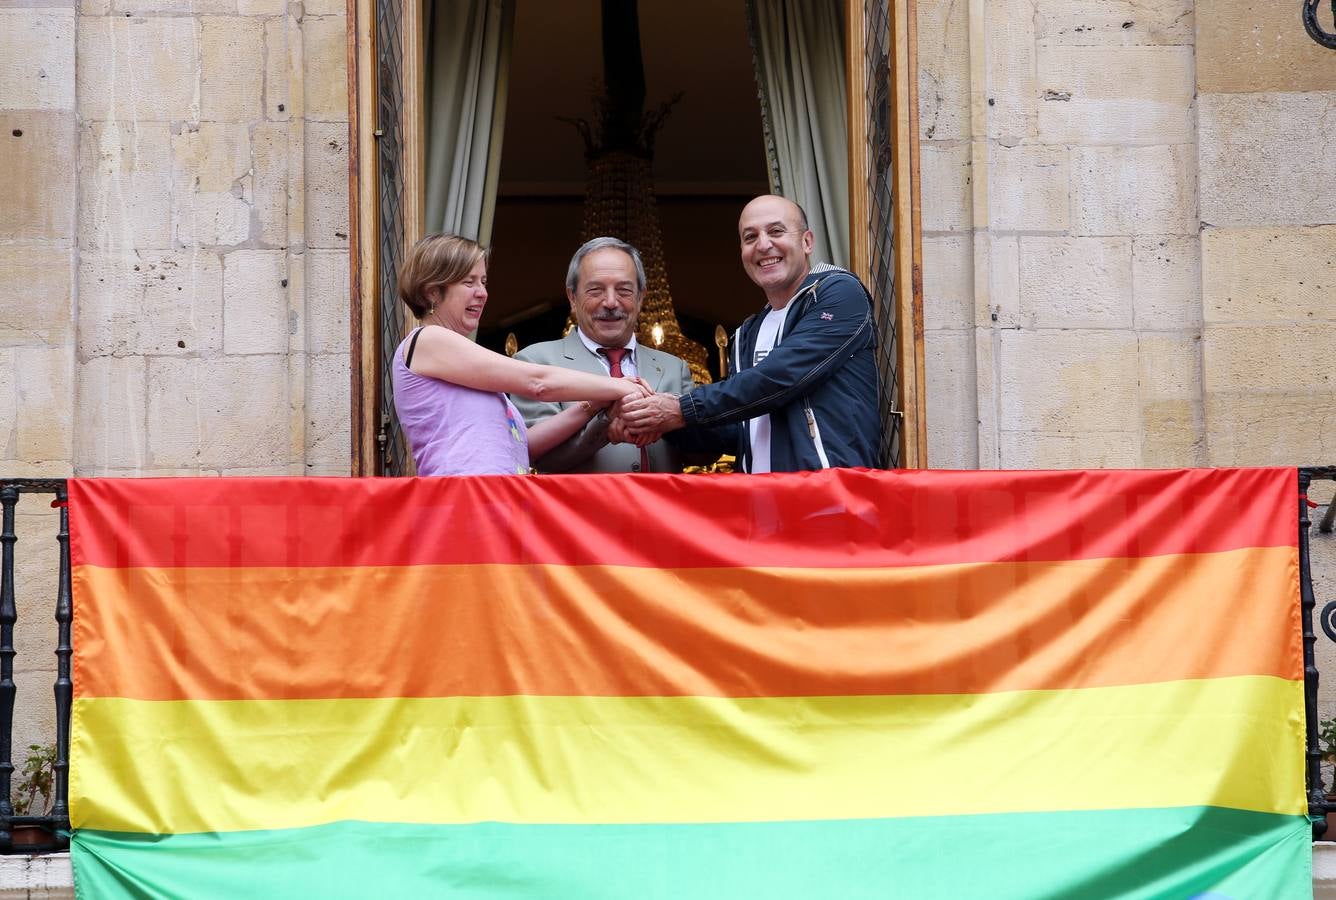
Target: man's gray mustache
x=614, y=315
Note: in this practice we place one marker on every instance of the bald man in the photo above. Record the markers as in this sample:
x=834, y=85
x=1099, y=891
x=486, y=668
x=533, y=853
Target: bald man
x=801, y=391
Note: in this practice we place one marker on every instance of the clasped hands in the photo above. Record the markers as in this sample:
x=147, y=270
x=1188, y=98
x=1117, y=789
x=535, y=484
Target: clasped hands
x=641, y=419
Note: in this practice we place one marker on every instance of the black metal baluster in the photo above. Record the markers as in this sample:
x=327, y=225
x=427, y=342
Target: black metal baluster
x=1317, y=798
x=9, y=498
x=64, y=687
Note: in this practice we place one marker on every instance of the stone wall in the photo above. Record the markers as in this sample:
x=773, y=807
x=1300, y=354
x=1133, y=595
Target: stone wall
x=1061, y=256
x=173, y=257
x=212, y=238
x=1129, y=241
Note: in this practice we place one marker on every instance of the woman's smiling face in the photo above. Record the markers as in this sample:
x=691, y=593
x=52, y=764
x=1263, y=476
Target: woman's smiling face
x=461, y=304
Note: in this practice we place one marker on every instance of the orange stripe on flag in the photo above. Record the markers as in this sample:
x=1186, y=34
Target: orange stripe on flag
x=276, y=633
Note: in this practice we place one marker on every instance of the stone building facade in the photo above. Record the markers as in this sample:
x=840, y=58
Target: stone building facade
x=1129, y=253
x=1129, y=231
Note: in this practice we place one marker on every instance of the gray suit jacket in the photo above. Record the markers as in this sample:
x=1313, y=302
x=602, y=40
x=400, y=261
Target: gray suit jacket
x=588, y=449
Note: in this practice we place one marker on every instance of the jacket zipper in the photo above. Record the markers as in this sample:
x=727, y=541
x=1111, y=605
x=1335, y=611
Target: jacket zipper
x=814, y=432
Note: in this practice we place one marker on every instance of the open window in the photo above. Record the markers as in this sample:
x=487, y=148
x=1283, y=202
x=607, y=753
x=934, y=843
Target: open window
x=525, y=176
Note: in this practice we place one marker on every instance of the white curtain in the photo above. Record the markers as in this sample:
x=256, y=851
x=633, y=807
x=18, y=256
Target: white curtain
x=468, y=62
x=799, y=54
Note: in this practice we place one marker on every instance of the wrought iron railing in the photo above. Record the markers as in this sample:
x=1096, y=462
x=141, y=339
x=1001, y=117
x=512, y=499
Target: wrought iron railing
x=53, y=827
x=34, y=833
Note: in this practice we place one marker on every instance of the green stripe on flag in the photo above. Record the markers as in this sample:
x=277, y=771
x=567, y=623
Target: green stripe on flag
x=1177, y=852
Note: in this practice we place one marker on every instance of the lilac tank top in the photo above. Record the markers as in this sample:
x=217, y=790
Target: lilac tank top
x=457, y=430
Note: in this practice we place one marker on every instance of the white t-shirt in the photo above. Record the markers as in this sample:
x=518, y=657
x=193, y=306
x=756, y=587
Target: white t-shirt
x=766, y=338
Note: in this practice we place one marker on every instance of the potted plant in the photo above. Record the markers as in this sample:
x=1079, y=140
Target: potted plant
x=1326, y=745
x=35, y=781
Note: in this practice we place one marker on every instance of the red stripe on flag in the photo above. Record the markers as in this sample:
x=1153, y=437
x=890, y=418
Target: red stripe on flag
x=833, y=519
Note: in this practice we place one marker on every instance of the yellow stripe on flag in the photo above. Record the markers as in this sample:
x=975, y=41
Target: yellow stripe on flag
x=197, y=766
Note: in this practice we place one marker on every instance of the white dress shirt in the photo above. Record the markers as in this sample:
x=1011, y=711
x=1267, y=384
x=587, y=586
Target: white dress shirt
x=629, y=367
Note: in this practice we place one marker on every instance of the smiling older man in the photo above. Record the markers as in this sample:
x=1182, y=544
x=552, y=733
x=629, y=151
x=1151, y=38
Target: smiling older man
x=605, y=284
x=802, y=388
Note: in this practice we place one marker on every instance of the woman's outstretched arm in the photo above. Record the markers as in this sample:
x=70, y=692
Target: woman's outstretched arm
x=450, y=356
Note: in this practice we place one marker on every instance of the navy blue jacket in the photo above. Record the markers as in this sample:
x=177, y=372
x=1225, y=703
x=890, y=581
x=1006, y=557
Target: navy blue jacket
x=819, y=384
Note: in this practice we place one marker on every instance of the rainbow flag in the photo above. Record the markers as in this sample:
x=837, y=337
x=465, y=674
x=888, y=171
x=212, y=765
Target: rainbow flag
x=842, y=684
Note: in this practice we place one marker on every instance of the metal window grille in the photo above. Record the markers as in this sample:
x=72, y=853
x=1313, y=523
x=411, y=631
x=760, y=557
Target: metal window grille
x=392, y=449
x=880, y=181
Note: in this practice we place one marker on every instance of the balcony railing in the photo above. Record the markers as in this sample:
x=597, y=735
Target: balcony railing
x=51, y=830
x=34, y=833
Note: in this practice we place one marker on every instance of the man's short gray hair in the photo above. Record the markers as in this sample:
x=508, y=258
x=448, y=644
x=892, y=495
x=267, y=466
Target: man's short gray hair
x=604, y=243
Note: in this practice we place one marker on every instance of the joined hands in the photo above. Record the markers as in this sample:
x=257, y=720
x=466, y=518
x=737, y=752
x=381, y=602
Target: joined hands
x=642, y=420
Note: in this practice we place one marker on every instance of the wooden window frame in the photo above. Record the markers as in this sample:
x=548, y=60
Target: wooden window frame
x=363, y=186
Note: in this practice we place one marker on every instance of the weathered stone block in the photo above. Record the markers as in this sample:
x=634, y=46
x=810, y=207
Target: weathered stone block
x=1160, y=74
x=232, y=68
x=1170, y=369
x=36, y=582
x=45, y=387
x=944, y=70
x=1028, y=188
x=1000, y=257
x=1166, y=281
x=156, y=302
x=1088, y=381
x=1075, y=282
x=262, y=7
x=223, y=412
x=326, y=185
x=1267, y=159
x=328, y=440
x=278, y=67
x=1115, y=22
x=953, y=419
x=1009, y=65
x=212, y=184
x=35, y=718
x=35, y=297
x=1171, y=445
x=1271, y=359
x=271, y=174
x=1060, y=450
x=125, y=184
x=1274, y=54
x=9, y=400
x=1134, y=190
x=948, y=282
x=1269, y=274
x=38, y=163
x=1257, y=428
x=111, y=399
x=156, y=7
x=987, y=388
x=945, y=187
x=138, y=69
x=325, y=58
x=255, y=301
x=328, y=301
x=1121, y=95
x=37, y=59
x=1116, y=121
x=325, y=8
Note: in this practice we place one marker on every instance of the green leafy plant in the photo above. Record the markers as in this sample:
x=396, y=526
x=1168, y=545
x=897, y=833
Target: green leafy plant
x=36, y=777
x=1326, y=739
